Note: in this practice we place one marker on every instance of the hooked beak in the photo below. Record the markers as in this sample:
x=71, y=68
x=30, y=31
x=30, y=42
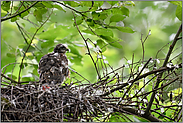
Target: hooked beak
x=67, y=49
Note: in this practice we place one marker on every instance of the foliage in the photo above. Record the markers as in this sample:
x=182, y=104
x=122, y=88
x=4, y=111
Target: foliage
x=103, y=38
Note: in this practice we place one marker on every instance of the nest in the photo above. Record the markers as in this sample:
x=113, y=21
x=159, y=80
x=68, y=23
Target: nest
x=29, y=103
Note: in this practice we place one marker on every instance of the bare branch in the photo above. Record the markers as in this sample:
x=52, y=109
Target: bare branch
x=14, y=15
x=164, y=64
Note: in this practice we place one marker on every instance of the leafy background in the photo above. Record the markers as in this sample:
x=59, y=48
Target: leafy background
x=157, y=16
x=124, y=25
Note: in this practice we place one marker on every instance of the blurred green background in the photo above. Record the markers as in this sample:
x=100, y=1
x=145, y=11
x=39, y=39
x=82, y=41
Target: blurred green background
x=157, y=16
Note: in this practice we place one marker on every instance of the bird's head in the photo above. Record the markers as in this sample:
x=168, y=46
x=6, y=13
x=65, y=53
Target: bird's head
x=60, y=48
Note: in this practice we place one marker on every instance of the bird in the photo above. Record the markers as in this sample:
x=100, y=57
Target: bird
x=53, y=67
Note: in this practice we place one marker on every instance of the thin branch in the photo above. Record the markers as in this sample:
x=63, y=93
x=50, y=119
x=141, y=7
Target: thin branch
x=85, y=40
x=140, y=77
x=79, y=74
x=136, y=77
x=160, y=75
x=30, y=45
x=12, y=80
x=14, y=15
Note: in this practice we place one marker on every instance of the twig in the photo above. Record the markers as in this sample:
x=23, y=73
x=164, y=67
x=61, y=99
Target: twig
x=136, y=78
x=160, y=75
x=142, y=42
x=12, y=80
x=79, y=74
x=14, y=15
x=30, y=45
x=85, y=40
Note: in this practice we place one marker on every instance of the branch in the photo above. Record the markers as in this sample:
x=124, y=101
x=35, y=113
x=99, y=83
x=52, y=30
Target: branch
x=135, y=78
x=135, y=111
x=140, y=77
x=147, y=111
x=85, y=40
x=14, y=15
x=30, y=45
x=79, y=74
x=8, y=78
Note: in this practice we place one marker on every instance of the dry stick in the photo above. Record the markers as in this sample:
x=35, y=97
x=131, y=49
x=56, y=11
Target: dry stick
x=143, y=49
x=163, y=115
x=140, y=77
x=157, y=88
x=79, y=74
x=30, y=45
x=8, y=78
x=18, y=8
x=135, y=79
x=147, y=111
x=21, y=31
x=14, y=15
x=85, y=40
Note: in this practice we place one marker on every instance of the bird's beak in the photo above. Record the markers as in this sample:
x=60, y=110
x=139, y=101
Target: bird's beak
x=67, y=49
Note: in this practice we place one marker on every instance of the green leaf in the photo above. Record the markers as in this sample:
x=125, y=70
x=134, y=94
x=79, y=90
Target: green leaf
x=90, y=22
x=122, y=11
x=31, y=48
x=21, y=45
x=26, y=78
x=10, y=55
x=95, y=15
x=30, y=57
x=111, y=41
x=35, y=72
x=115, y=11
x=47, y=44
x=178, y=3
x=58, y=7
x=39, y=5
x=3, y=13
x=12, y=76
x=38, y=15
x=51, y=49
x=104, y=32
x=5, y=5
x=98, y=3
x=79, y=20
x=74, y=51
x=23, y=65
x=21, y=9
x=86, y=3
x=13, y=19
x=76, y=60
x=102, y=45
x=47, y=4
x=117, y=117
x=141, y=119
x=35, y=66
x=112, y=2
x=58, y=32
x=103, y=16
x=179, y=12
x=125, y=29
x=117, y=18
x=129, y=3
x=72, y=3
x=88, y=31
x=125, y=11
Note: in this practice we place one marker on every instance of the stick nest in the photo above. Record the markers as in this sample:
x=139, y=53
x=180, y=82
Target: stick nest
x=65, y=103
